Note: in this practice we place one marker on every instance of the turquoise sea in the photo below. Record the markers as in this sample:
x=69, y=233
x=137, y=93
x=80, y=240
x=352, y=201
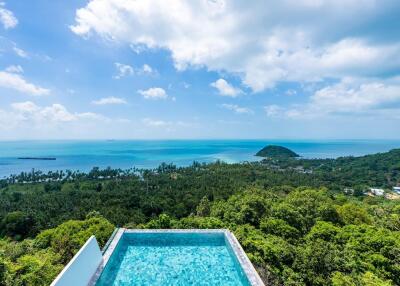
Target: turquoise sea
x=83, y=155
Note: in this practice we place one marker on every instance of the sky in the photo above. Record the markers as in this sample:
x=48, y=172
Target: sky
x=156, y=69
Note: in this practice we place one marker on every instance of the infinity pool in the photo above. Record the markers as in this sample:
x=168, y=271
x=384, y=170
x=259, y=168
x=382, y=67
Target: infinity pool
x=173, y=258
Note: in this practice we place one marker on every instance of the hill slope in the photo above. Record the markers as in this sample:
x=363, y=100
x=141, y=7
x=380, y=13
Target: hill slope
x=273, y=151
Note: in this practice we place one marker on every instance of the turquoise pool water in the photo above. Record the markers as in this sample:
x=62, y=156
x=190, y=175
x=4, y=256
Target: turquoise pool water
x=172, y=259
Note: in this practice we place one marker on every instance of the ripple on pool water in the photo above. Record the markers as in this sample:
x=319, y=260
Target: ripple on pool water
x=166, y=263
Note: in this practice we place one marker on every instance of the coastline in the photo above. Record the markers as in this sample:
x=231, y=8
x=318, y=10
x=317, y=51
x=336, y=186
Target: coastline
x=83, y=155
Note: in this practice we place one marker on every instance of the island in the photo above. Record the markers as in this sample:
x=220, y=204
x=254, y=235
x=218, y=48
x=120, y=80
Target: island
x=289, y=214
x=274, y=151
x=36, y=158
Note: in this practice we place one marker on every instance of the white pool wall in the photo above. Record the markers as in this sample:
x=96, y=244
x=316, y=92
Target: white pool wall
x=80, y=270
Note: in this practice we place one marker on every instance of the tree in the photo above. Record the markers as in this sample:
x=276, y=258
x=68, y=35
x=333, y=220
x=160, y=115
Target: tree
x=353, y=214
x=279, y=227
x=323, y=230
x=3, y=271
x=37, y=269
x=340, y=279
x=163, y=221
x=67, y=238
x=316, y=260
x=204, y=207
x=17, y=225
x=199, y=222
x=369, y=279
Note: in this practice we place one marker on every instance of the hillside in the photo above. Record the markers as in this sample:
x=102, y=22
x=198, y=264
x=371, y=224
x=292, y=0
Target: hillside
x=297, y=227
x=273, y=151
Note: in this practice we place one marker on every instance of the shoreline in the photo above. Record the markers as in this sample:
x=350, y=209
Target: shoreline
x=17, y=157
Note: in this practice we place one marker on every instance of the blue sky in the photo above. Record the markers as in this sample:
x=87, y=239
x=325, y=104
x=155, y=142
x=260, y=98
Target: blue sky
x=309, y=69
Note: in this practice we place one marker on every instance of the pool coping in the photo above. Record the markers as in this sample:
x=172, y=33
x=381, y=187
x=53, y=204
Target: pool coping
x=104, y=249
x=243, y=260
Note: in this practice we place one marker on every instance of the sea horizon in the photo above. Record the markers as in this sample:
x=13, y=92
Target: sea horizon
x=84, y=154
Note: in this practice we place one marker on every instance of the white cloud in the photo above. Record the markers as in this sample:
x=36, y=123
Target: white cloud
x=49, y=114
x=123, y=70
x=237, y=108
x=127, y=70
x=167, y=125
x=263, y=42
x=147, y=69
x=349, y=97
x=27, y=120
x=12, y=79
x=155, y=123
x=14, y=69
x=92, y=116
x=154, y=93
x=291, y=92
x=109, y=100
x=7, y=17
x=7, y=45
x=20, y=52
x=225, y=89
x=273, y=110
x=137, y=48
x=57, y=112
x=27, y=106
x=29, y=111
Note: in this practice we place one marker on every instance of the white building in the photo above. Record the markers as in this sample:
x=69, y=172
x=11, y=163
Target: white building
x=396, y=190
x=377, y=192
x=349, y=191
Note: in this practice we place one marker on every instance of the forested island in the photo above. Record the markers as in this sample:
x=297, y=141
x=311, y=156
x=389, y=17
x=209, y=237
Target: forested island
x=273, y=151
x=292, y=216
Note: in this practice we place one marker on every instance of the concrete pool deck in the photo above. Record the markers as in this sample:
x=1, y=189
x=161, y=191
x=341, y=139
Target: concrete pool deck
x=230, y=239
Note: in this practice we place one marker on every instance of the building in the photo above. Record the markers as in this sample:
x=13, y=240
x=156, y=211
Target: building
x=396, y=190
x=348, y=191
x=377, y=192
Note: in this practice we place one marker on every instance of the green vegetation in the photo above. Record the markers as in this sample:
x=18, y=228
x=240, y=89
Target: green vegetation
x=38, y=261
x=291, y=216
x=272, y=151
x=306, y=236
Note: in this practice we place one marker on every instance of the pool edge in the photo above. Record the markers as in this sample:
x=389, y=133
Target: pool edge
x=106, y=256
x=248, y=267
x=245, y=263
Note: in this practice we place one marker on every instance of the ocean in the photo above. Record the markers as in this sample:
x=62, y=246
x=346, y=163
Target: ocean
x=84, y=155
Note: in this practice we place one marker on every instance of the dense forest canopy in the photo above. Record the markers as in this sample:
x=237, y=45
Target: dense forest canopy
x=272, y=151
x=291, y=215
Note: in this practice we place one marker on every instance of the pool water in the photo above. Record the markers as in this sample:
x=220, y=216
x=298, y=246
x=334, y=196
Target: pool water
x=173, y=259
